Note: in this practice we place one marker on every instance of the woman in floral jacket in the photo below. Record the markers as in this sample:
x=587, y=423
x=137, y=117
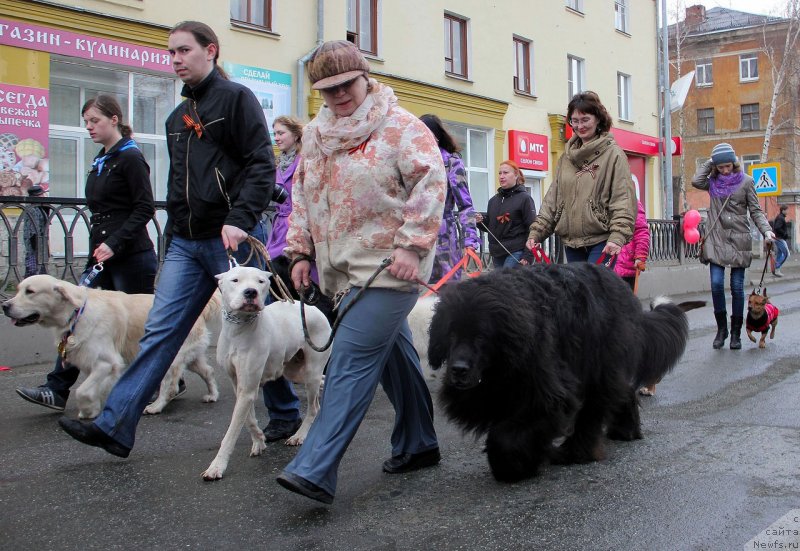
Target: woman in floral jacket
x=371, y=187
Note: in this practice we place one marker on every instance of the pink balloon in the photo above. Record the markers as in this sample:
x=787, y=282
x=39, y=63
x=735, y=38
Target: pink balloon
x=691, y=219
x=691, y=235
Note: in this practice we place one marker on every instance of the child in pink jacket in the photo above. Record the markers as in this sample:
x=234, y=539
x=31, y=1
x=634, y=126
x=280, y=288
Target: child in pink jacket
x=634, y=254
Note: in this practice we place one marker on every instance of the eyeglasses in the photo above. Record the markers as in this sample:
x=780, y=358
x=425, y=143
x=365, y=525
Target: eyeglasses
x=584, y=121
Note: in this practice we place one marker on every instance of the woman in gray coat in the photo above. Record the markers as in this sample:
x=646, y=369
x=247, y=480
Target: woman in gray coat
x=728, y=241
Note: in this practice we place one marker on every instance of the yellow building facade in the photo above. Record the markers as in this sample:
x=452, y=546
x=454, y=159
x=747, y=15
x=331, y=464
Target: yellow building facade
x=500, y=74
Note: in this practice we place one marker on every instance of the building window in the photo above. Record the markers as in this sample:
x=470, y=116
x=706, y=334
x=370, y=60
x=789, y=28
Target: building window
x=748, y=67
x=624, y=96
x=475, y=144
x=146, y=101
x=705, y=121
x=750, y=117
x=253, y=12
x=523, y=81
x=455, y=45
x=703, y=75
x=621, y=15
x=576, y=71
x=576, y=5
x=748, y=161
x=362, y=24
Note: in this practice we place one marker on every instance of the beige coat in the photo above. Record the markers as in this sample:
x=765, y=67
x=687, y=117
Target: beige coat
x=592, y=198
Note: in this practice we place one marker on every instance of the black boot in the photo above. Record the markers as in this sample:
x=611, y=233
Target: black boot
x=736, y=332
x=722, y=329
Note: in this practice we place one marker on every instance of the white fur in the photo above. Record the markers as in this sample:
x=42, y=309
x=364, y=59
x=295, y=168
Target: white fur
x=419, y=319
x=262, y=350
x=106, y=337
x=659, y=300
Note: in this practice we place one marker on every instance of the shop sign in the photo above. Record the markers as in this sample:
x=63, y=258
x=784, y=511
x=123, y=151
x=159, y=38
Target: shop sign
x=273, y=89
x=24, y=127
x=57, y=41
x=528, y=150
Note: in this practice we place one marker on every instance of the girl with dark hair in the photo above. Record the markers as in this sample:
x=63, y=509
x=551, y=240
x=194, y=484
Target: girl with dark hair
x=733, y=203
x=458, y=230
x=120, y=198
x=591, y=203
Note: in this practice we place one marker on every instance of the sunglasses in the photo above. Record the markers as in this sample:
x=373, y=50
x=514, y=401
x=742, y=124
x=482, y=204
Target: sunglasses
x=343, y=86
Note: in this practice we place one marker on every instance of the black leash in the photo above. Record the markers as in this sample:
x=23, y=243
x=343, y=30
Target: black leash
x=764, y=271
x=385, y=264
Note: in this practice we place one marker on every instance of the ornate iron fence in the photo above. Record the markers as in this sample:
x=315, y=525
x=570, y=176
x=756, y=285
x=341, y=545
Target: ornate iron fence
x=58, y=230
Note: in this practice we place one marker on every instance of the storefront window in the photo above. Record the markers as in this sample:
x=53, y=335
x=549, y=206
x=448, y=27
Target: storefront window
x=474, y=144
x=146, y=100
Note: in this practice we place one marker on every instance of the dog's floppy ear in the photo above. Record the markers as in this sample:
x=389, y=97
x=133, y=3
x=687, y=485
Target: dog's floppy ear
x=67, y=296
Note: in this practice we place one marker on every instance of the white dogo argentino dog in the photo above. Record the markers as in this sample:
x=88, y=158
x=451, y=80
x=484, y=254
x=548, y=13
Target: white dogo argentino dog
x=260, y=343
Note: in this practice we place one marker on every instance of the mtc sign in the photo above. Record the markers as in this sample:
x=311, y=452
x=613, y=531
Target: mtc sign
x=528, y=150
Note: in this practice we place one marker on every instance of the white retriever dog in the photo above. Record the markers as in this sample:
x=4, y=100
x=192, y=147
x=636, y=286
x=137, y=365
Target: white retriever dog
x=259, y=344
x=419, y=320
x=99, y=331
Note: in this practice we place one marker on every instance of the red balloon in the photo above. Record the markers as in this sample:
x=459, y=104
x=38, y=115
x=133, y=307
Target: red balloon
x=691, y=235
x=691, y=219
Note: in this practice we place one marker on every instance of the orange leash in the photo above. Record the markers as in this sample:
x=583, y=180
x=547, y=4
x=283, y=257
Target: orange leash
x=463, y=263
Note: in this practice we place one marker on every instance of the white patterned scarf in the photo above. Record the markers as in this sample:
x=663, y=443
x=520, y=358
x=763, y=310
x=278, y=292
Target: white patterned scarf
x=328, y=133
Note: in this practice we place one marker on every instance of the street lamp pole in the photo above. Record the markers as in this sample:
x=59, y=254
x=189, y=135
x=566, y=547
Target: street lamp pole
x=666, y=115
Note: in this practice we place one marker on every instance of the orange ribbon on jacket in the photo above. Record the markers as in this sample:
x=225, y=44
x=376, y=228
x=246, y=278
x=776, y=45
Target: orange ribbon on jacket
x=193, y=125
x=587, y=168
x=469, y=254
x=503, y=218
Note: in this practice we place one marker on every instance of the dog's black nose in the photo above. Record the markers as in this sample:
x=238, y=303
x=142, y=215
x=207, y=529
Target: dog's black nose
x=6, y=308
x=250, y=293
x=459, y=367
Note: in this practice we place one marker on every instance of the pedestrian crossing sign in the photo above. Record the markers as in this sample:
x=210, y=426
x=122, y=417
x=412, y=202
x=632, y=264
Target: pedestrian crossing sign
x=767, y=178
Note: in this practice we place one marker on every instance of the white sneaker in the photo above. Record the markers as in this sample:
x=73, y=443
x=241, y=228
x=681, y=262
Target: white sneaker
x=777, y=273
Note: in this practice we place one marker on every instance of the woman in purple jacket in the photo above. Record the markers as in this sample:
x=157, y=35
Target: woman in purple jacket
x=458, y=230
x=288, y=133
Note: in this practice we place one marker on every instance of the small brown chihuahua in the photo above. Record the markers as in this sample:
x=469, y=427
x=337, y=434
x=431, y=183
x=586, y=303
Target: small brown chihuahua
x=761, y=316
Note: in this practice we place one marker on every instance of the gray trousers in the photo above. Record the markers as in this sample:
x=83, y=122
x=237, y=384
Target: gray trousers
x=373, y=343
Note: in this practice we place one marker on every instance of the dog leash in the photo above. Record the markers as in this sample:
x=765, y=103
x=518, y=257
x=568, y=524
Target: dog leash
x=499, y=243
x=764, y=271
x=385, y=264
x=258, y=250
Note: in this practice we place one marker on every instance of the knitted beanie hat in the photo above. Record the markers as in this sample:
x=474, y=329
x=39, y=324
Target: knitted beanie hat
x=723, y=153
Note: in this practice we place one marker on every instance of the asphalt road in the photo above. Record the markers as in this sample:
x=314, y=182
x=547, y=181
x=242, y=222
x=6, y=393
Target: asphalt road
x=717, y=466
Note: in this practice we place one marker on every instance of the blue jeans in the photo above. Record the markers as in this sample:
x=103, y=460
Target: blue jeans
x=507, y=260
x=588, y=254
x=185, y=285
x=781, y=254
x=373, y=343
x=718, y=289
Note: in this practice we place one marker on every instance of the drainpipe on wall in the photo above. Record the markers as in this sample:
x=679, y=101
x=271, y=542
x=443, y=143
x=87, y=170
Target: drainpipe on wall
x=300, y=108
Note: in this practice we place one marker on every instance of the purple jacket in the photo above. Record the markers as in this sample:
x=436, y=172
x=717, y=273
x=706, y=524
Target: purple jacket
x=277, y=237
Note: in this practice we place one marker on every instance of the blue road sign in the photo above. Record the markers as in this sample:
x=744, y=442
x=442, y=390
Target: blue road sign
x=767, y=178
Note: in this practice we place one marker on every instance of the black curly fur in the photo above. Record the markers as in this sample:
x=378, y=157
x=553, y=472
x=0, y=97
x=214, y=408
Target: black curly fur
x=538, y=353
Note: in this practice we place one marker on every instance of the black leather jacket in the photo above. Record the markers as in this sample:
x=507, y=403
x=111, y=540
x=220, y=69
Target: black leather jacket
x=222, y=169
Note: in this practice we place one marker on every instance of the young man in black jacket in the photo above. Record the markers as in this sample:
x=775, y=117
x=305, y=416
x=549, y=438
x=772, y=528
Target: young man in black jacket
x=781, y=233
x=222, y=173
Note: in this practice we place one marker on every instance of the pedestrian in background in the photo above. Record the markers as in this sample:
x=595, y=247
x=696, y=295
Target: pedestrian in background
x=591, y=203
x=371, y=186
x=781, y=234
x=728, y=242
x=510, y=213
x=222, y=173
x=458, y=230
x=33, y=227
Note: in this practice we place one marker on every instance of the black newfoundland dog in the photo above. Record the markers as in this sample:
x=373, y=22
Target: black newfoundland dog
x=534, y=354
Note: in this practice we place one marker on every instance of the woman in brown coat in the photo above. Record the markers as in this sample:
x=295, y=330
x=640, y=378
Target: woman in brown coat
x=728, y=241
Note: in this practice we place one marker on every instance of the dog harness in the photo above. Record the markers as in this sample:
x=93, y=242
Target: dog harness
x=770, y=314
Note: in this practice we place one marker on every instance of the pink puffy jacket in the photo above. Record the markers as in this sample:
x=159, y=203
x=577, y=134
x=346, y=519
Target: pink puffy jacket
x=637, y=247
